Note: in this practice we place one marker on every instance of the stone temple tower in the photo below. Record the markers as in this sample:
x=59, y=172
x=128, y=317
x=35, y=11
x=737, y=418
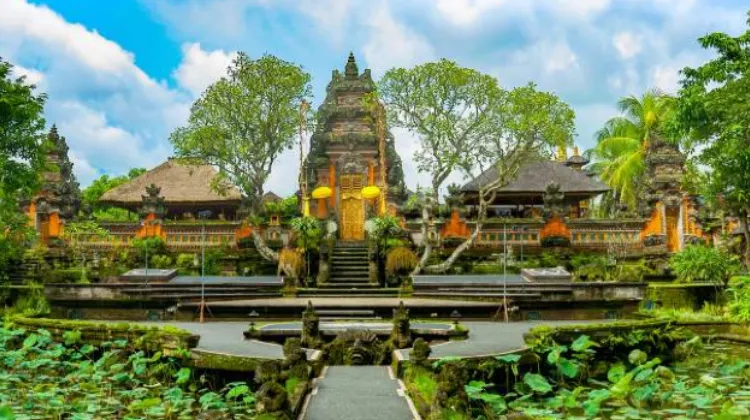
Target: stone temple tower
x=344, y=154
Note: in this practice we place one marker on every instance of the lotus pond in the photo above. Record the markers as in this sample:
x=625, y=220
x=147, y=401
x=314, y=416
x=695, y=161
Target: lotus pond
x=41, y=378
x=636, y=375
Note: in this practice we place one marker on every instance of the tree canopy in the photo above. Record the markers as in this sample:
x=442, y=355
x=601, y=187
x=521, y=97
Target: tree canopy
x=21, y=134
x=93, y=193
x=713, y=111
x=21, y=157
x=245, y=120
x=622, y=143
x=447, y=106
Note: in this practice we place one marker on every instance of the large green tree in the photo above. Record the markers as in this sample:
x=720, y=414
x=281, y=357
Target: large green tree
x=448, y=108
x=531, y=125
x=243, y=122
x=622, y=143
x=21, y=157
x=713, y=113
x=93, y=193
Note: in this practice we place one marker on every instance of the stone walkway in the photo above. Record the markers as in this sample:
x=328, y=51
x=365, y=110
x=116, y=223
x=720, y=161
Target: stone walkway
x=485, y=338
x=358, y=392
x=490, y=338
x=226, y=337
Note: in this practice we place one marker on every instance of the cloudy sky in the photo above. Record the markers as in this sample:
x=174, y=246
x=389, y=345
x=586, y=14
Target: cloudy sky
x=121, y=75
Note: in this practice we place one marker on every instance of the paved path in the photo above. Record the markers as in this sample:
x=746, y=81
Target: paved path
x=226, y=337
x=358, y=392
x=485, y=338
x=489, y=338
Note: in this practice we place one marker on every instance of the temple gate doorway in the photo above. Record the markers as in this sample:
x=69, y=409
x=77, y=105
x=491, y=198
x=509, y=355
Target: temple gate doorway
x=352, y=208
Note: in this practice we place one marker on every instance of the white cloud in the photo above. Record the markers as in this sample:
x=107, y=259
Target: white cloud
x=626, y=82
x=666, y=75
x=33, y=77
x=200, y=68
x=468, y=12
x=112, y=113
x=628, y=45
x=560, y=58
x=553, y=65
x=465, y=12
x=392, y=44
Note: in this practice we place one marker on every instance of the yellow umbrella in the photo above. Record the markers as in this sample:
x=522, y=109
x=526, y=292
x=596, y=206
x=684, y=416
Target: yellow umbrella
x=371, y=191
x=322, y=192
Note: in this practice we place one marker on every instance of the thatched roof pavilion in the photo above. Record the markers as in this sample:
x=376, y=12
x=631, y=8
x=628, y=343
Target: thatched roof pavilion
x=531, y=181
x=188, y=189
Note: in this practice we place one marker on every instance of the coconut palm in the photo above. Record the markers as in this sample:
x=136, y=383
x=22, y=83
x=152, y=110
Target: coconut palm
x=623, y=141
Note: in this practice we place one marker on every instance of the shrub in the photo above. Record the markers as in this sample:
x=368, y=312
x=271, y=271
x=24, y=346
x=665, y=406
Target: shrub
x=739, y=299
x=698, y=263
x=161, y=261
x=153, y=245
x=400, y=260
x=308, y=232
x=186, y=263
x=631, y=272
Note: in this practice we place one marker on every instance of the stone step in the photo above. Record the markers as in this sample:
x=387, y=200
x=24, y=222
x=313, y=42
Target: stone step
x=335, y=279
x=339, y=285
x=350, y=273
x=479, y=295
x=350, y=261
x=349, y=254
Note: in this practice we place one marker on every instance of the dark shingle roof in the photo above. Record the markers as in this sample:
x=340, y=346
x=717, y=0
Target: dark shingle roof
x=533, y=177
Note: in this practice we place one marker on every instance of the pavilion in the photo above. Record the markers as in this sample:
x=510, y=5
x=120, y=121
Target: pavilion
x=188, y=190
x=523, y=197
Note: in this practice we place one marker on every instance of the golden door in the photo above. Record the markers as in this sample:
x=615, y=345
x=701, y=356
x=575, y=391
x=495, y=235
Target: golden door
x=352, y=208
x=673, y=235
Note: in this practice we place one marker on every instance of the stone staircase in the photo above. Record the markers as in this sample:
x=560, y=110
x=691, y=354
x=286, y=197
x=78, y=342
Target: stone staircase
x=350, y=275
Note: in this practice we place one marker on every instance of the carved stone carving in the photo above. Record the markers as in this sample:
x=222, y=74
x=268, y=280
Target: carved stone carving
x=310, y=327
x=420, y=353
x=352, y=162
x=401, y=334
x=554, y=200
x=152, y=203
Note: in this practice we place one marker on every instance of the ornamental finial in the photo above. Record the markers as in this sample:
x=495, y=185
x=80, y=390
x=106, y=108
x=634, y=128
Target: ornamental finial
x=351, y=66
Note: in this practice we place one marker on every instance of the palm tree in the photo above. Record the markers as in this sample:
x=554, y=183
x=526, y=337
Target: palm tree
x=622, y=143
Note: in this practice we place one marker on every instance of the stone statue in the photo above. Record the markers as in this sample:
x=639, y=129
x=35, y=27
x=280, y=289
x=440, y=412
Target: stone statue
x=401, y=335
x=420, y=353
x=271, y=398
x=310, y=327
x=152, y=203
x=295, y=359
x=554, y=201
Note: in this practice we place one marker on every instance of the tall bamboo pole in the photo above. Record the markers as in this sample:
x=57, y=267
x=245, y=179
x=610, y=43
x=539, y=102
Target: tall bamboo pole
x=381, y=151
x=302, y=172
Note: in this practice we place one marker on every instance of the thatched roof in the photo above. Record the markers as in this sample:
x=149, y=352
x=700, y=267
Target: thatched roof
x=533, y=177
x=180, y=182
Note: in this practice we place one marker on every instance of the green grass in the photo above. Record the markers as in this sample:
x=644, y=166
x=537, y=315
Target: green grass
x=290, y=385
x=424, y=383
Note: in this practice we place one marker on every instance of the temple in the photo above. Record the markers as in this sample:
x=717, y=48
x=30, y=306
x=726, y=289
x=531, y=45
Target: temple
x=345, y=154
x=353, y=172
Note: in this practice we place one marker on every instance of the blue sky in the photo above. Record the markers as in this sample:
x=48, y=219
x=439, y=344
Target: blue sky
x=121, y=75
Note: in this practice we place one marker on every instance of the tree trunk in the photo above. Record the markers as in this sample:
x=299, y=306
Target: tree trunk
x=425, y=240
x=263, y=249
